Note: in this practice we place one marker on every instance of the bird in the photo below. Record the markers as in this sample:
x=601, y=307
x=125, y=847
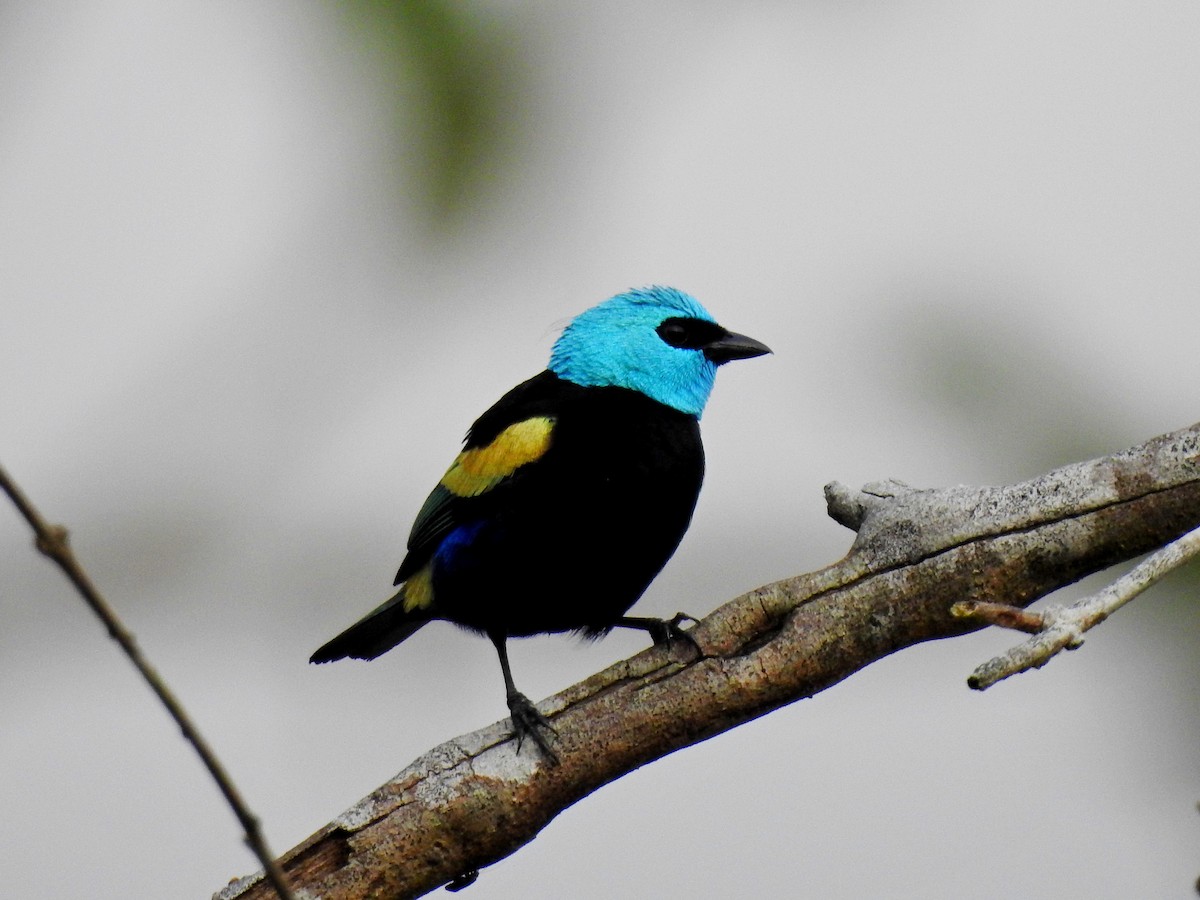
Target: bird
x=570, y=493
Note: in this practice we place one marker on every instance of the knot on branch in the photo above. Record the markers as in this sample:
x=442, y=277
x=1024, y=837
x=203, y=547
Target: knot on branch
x=851, y=508
x=898, y=523
x=54, y=542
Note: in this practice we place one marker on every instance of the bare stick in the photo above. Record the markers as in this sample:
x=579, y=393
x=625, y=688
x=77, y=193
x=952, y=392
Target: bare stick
x=52, y=541
x=1061, y=627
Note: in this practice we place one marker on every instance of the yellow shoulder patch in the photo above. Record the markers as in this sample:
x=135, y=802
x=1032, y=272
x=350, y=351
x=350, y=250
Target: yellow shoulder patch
x=480, y=469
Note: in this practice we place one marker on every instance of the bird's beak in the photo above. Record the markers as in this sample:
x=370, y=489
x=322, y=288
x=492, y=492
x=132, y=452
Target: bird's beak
x=734, y=346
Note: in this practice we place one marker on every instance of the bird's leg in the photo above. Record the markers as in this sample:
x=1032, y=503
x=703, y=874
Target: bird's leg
x=527, y=721
x=663, y=631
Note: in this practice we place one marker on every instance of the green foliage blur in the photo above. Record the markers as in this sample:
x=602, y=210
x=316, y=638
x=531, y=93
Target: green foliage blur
x=461, y=68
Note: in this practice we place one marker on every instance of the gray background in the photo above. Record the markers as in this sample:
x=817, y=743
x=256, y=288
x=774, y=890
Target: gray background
x=258, y=273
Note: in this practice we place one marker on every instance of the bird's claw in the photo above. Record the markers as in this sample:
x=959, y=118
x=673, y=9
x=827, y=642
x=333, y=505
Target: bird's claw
x=529, y=722
x=466, y=879
x=668, y=631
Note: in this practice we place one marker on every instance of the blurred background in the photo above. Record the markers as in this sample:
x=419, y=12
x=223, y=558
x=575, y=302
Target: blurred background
x=261, y=264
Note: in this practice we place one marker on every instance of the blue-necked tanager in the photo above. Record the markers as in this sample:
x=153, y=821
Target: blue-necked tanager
x=570, y=494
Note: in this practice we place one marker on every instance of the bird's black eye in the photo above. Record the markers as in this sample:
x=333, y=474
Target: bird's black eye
x=689, y=334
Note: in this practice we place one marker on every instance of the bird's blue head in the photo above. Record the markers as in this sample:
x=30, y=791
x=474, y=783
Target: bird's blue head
x=656, y=340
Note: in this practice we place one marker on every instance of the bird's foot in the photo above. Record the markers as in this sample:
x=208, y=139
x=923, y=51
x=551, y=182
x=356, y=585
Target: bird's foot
x=671, y=630
x=529, y=723
x=664, y=631
x=458, y=882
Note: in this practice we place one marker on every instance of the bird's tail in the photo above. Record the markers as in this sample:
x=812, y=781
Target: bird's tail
x=375, y=633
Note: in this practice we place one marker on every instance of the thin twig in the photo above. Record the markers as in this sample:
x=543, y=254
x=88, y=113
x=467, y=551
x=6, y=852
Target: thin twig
x=1063, y=626
x=52, y=541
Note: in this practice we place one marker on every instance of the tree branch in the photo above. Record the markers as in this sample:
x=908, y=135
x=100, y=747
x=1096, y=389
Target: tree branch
x=1061, y=628
x=474, y=800
x=51, y=541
